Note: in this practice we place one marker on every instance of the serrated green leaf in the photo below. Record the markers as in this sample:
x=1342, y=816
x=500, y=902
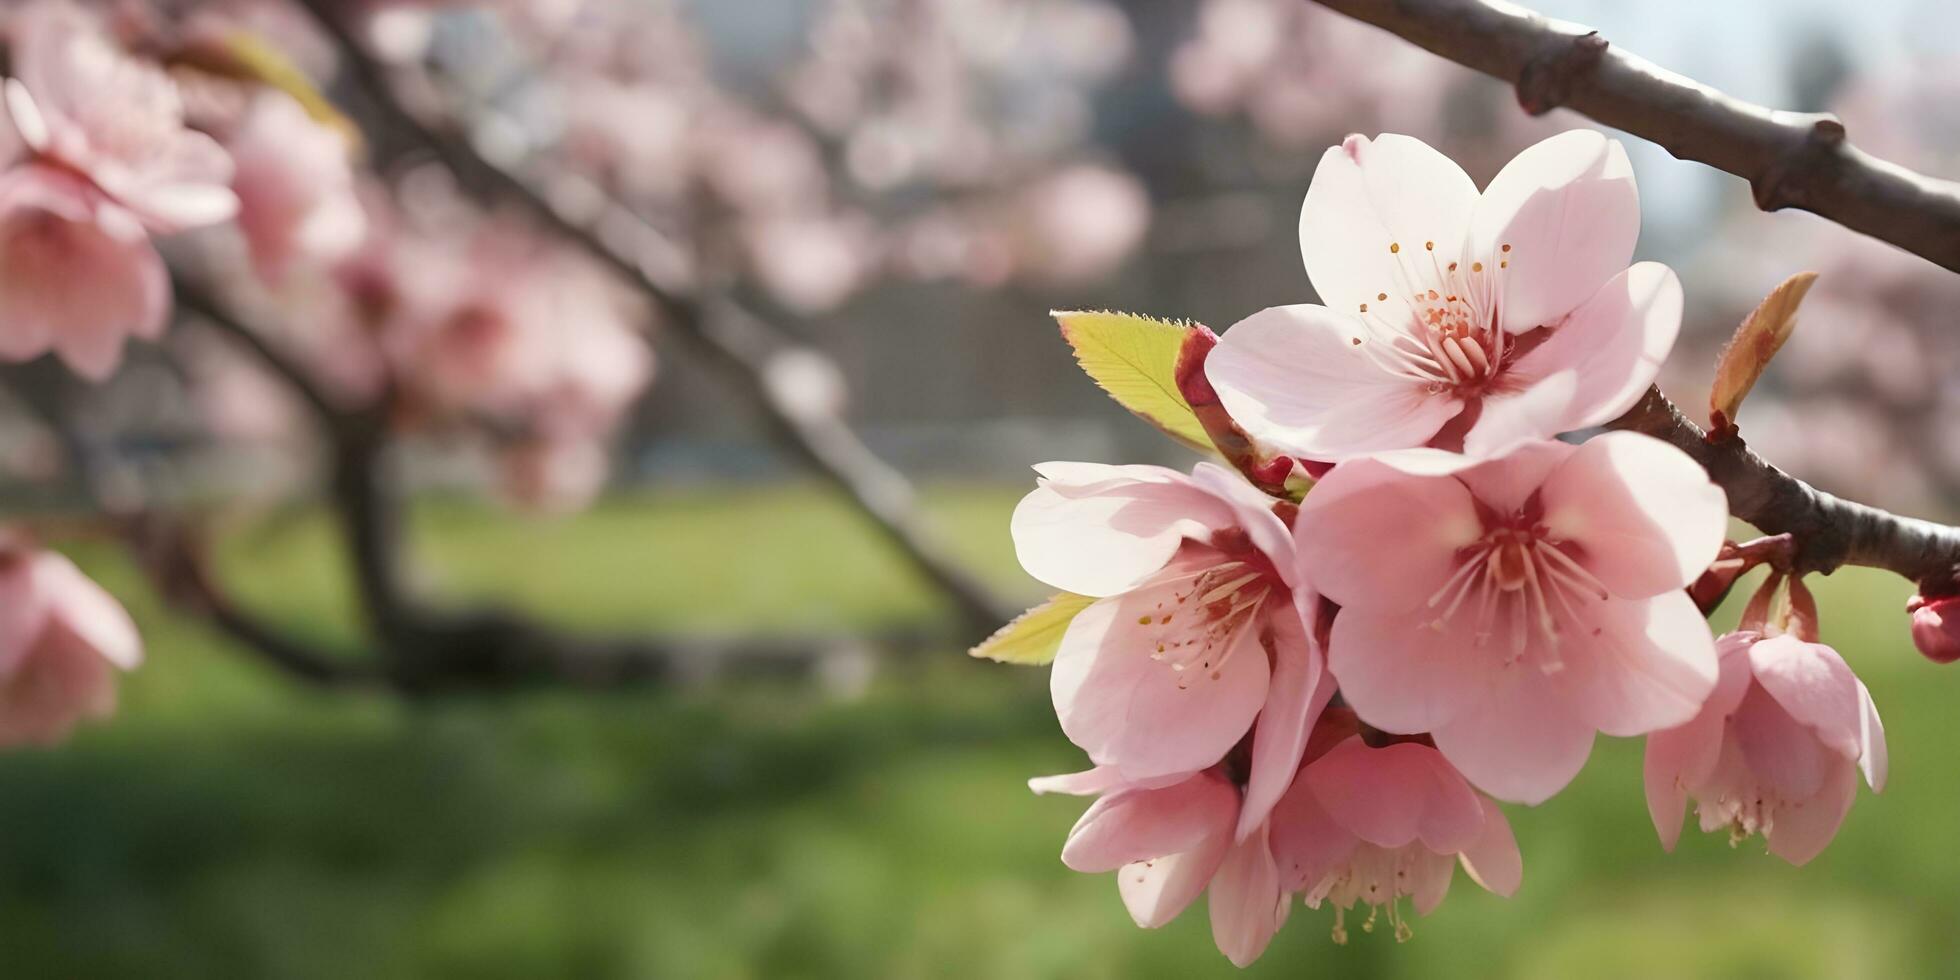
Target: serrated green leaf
x=1134, y=358
x=1035, y=635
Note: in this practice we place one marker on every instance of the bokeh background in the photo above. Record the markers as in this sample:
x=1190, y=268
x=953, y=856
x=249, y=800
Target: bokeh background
x=908, y=188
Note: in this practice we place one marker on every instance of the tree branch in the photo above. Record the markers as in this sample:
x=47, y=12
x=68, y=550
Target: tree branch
x=740, y=343
x=1790, y=159
x=1829, y=531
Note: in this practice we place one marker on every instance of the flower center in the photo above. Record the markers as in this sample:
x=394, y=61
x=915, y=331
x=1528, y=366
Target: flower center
x=1523, y=585
x=1377, y=877
x=1196, y=626
x=1445, y=331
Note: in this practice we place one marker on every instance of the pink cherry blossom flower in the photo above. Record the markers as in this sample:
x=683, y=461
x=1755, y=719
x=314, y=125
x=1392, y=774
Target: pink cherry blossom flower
x=1936, y=627
x=61, y=636
x=1375, y=825
x=78, y=274
x=1513, y=607
x=83, y=103
x=1199, y=627
x=1776, y=750
x=295, y=186
x=1454, y=319
x=1170, y=842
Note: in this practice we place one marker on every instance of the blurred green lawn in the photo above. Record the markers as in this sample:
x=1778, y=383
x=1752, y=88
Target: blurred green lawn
x=229, y=824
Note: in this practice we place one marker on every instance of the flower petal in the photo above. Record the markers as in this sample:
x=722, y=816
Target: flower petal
x=1803, y=830
x=1375, y=539
x=1300, y=688
x=1634, y=666
x=1368, y=194
x=87, y=611
x=1126, y=708
x=1520, y=745
x=1140, y=824
x=1247, y=906
x=1405, y=675
x=1252, y=512
x=1492, y=860
x=1306, y=380
x=1644, y=514
x=1156, y=891
x=1814, y=684
x=1308, y=843
x=1570, y=214
x=1592, y=368
x=1397, y=794
x=1099, y=530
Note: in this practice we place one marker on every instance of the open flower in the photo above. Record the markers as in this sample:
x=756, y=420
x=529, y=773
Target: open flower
x=1513, y=607
x=83, y=103
x=1776, y=750
x=1168, y=844
x=1453, y=319
x=1375, y=825
x=61, y=639
x=78, y=275
x=1197, y=630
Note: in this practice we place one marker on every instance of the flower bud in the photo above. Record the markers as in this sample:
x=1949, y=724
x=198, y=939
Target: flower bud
x=1936, y=627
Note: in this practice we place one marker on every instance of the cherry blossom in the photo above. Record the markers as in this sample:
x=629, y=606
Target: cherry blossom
x=61, y=640
x=79, y=101
x=1375, y=825
x=295, y=187
x=1171, y=842
x=1776, y=750
x=1199, y=627
x=1452, y=319
x=1513, y=607
x=78, y=275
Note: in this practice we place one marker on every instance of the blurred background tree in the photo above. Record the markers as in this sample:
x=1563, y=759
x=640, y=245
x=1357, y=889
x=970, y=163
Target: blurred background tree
x=474, y=444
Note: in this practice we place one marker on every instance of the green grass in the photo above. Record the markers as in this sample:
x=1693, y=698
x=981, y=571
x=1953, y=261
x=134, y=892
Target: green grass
x=228, y=824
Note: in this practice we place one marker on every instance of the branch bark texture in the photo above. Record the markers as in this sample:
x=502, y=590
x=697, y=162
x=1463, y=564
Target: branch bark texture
x=1790, y=159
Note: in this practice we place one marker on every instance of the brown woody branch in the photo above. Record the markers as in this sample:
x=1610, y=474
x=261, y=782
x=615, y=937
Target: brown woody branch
x=1790, y=159
x=746, y=348
x=1828, y=531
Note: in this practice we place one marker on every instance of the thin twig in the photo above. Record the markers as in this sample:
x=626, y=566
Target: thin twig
x=1790, y=159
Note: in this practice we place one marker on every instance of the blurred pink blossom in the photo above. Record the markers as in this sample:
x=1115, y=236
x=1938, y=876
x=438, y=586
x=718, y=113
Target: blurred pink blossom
x=61, y=640
x=80, y=102
x=1078, y=224
x=78, y=275
x=295, y=186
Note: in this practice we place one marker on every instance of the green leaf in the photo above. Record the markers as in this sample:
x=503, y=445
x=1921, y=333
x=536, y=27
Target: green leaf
x=248, y=57
x=1035, y=635
x=1134, y=358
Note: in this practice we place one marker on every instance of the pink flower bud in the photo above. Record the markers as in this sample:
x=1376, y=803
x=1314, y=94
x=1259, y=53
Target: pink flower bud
x=1936, y=627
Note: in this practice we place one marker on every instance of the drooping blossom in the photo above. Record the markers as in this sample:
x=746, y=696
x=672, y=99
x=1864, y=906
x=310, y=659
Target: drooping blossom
x=61, y=640
x=1936, y=627
x=79, y=101
x=1171, y=841
x=78, y=275
x=1776, y=750
x=1513, y=607
x=1375, y=825
x=1453, y=319
x=295, y=186
x=1199, y=625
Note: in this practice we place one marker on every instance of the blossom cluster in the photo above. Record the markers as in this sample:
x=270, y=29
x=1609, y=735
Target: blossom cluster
x=121, y=132
x=1315, y=673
